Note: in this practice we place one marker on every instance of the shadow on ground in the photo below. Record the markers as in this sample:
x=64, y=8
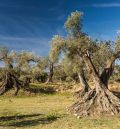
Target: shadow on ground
x=26, y=120
x=7, y=118
x=40, y=89
x=45, y=90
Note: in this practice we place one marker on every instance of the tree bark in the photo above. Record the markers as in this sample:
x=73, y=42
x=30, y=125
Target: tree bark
x=108, y=70
x=83, y=81
x=50, y=77
x=95, y=75
x=84, y=85
x=106, y=74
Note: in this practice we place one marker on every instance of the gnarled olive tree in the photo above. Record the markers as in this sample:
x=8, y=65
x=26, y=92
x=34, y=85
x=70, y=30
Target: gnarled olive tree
x=9, y=78
x=98, y=58
x=15, y=63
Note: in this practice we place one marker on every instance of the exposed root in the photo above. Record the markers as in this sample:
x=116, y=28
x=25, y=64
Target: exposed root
x=93, y=103
x=79, y=94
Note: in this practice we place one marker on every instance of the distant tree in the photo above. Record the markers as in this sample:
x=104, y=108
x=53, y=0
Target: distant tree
x=38, y=72
x=116, y=72
x=59, y=73
x=24, y=62
x=53, y=56
x=16, y=73
x=9, y=78
x=70, y=66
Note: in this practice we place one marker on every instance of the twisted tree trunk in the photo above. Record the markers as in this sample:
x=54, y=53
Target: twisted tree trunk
x=107, y=72
x=50, y=77
x=85, y=86
x=98, y=101
x=9, y=82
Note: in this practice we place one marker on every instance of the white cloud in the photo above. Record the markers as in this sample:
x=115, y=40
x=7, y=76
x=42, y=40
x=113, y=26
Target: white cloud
x=107, y=5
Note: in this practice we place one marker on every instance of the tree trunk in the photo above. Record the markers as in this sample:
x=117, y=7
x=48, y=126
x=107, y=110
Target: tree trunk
x=50, y=74
x=9, y=82
x=93, y=71
x=96, y=102
x=107, y=72
x=84, y=85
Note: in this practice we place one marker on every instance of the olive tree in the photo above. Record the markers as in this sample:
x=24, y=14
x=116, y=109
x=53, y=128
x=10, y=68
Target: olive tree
x=15, y=64
x=38, y=71
x=53, y=55
x=9, y=78
x=87, y=51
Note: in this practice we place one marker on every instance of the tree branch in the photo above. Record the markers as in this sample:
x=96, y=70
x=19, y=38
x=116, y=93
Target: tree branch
x=108, y=70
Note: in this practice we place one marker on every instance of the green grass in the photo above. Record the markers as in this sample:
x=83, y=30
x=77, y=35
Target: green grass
x=47, y=111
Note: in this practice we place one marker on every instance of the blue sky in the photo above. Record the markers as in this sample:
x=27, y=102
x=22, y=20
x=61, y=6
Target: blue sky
x=30, y=24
